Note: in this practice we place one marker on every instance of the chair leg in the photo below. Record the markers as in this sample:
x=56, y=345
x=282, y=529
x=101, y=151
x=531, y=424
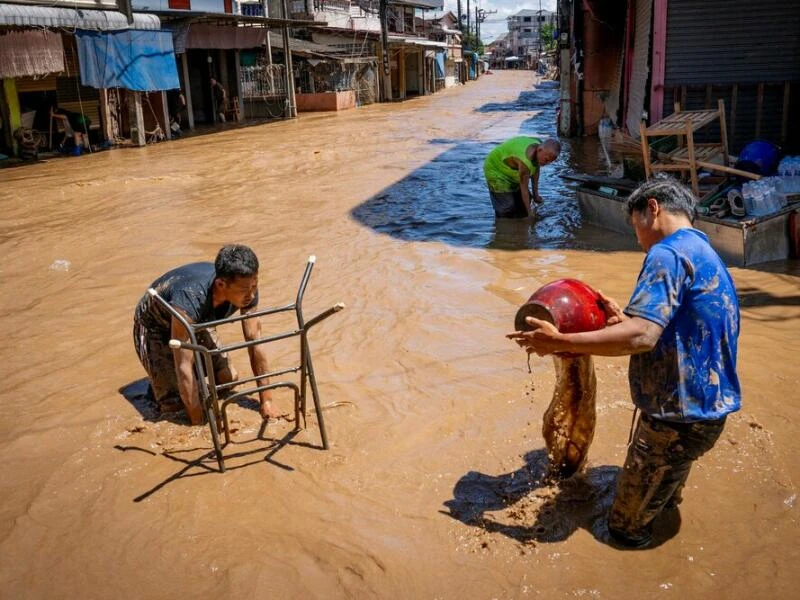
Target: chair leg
x=212, y=423
x=317, y=406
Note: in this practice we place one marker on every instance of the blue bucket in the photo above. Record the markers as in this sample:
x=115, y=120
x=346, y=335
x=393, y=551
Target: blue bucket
x=759, y=157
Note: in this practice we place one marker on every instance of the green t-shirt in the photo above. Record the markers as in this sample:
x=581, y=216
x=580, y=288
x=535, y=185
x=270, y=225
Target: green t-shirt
x=499, y=176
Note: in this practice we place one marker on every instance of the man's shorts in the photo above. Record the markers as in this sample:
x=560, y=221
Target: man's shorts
x=656, y=468
x=157, y=359
x=508, y=205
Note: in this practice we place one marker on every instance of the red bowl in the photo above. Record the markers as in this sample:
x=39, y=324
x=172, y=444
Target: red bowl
x=569, y=304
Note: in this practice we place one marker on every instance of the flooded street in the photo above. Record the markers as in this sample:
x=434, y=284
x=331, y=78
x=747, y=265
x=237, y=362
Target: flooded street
x=430, y=488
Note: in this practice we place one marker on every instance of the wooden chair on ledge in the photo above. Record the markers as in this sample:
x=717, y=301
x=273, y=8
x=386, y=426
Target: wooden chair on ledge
x=232, y=110
x=689, y=157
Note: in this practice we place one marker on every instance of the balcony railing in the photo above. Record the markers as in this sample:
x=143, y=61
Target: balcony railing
x=343, y=5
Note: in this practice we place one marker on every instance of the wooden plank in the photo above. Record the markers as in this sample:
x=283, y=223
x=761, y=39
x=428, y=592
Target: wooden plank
x=645, y=149
x=734, y=98
x=692, y=160
x=787, y=89
x=723, y=131
x=759, y=109
x=723, y=169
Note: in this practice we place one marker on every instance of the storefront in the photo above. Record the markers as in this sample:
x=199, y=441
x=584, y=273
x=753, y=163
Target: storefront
x=67, y=60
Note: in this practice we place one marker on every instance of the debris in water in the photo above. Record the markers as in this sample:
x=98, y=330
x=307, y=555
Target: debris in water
x=790, y=501
x=60, y=265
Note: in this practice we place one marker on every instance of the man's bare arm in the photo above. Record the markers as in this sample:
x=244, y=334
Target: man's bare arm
x=251, y=328
x=631, y=336
x=536, y=197
x=184, y=370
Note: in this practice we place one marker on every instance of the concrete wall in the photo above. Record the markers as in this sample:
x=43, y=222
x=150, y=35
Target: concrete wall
x=326, y=101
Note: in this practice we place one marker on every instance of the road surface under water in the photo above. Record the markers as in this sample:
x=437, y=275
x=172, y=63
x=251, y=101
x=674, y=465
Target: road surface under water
x=430, y=488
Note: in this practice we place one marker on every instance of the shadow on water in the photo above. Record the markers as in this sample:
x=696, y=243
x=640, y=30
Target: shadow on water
x=530, y=509
x=446, y=200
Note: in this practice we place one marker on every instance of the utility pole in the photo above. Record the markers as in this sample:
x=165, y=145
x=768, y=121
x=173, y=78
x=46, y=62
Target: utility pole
x=383, y=11
x=480, y=17
x=469, y=27
x=460, y=26
x=287, y=59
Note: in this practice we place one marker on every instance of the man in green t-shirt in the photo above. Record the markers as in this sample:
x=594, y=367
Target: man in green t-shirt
x=510, y=167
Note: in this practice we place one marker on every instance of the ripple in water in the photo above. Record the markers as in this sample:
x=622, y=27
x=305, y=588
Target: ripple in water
x=446, y=200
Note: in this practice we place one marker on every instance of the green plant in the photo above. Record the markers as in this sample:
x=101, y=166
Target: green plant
x=546, y=37
x=472, y=43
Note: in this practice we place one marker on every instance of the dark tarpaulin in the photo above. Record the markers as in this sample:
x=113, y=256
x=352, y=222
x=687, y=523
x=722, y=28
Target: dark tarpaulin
x=142, y=61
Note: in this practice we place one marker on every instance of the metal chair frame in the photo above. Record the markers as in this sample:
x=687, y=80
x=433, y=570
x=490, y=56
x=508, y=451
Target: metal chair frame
x=210, y=391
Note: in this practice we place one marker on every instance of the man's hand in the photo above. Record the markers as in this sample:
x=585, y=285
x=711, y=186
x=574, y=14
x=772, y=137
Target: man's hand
x=537, y=198
x=613, y=312
x=543, y=339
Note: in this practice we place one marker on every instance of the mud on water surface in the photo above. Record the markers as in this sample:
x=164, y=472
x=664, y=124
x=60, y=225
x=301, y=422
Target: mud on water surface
x=432, y=486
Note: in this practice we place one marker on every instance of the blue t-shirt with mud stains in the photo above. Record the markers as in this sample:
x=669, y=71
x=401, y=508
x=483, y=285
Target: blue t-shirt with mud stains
x=690, y=374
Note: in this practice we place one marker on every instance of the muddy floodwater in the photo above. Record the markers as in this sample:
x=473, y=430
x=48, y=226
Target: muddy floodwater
x=431, y=486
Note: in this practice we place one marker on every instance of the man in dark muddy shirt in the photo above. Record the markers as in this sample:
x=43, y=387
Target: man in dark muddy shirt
x=201, y=292
x=681, y=328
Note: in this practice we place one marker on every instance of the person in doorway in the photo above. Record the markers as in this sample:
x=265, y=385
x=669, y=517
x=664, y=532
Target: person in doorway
x=220, y=98
x=681, y=328
x=511, y=167
x=74, y=124
x=177, y=110
x=201, y=292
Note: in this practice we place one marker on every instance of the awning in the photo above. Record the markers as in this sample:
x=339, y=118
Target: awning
x=31, y=53
x=143, y=61
x=424, y=4
x=308, y=49
x=95, y=20
x=225, y=37
x=413, y=41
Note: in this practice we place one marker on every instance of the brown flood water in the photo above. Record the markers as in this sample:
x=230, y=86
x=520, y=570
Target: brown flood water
x=425, y=492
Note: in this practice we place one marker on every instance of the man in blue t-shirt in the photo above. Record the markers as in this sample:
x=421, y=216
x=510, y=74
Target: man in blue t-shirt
x=201, y=292
x=681, y=328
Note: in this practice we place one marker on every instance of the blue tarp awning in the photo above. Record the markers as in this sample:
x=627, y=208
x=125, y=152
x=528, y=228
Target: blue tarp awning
x=142, y=61
x=439, y=65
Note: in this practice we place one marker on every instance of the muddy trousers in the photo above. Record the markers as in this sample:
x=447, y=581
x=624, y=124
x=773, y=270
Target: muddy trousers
x=158, y=360
x=508, y=205
x=659, y=458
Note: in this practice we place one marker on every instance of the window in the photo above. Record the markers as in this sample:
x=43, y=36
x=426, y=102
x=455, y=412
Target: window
x=526, y=19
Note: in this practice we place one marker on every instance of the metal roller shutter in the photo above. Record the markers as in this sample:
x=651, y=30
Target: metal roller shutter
x=732, y=41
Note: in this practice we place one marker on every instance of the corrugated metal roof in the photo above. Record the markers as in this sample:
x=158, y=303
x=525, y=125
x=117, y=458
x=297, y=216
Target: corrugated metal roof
x=97, y=20
x=426, y=4
x=315, y=50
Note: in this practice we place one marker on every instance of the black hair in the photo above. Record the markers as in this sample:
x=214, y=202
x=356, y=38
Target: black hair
x=235, y=260
x=670, y=194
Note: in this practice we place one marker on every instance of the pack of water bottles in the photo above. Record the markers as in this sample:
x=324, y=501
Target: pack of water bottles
x=762, y=197
x=789, y=175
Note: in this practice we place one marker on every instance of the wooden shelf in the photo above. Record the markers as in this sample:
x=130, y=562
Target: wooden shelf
x=688, y=157
x=704, y=153
x=676, y=123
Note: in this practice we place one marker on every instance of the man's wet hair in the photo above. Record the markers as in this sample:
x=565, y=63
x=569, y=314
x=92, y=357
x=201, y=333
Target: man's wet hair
x=235, y=260
x=670, y=194
x=553, y=145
